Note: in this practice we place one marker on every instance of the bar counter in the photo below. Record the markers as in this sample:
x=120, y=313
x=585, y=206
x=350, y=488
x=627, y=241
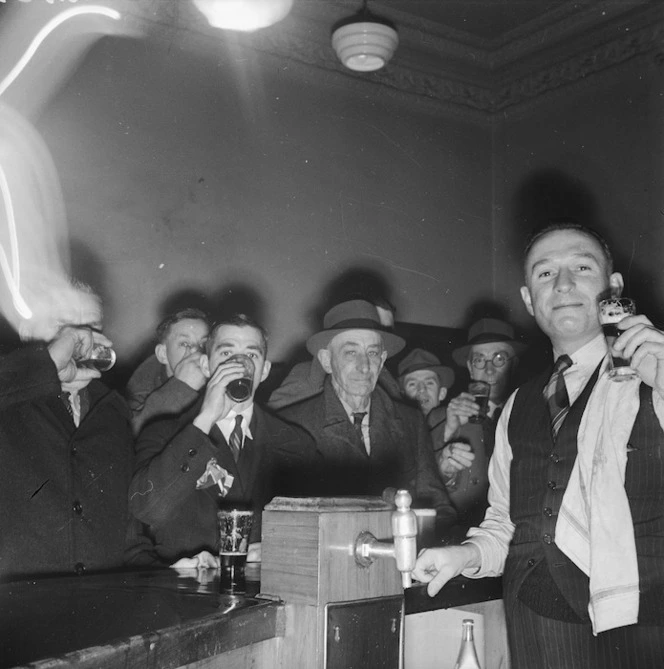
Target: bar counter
x=162, y=618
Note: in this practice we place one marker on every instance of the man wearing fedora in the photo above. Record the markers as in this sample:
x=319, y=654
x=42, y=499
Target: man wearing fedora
x=424, y=380
x=491, y=355
x=368, y=440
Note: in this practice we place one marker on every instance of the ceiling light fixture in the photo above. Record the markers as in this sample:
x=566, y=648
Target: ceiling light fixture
x=364, y=42
x=244, y=15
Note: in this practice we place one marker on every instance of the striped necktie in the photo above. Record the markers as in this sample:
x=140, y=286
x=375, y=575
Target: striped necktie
x=555, y=394
x=235, y=440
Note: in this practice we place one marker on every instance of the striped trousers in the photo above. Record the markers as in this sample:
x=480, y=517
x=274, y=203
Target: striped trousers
x=543, y=643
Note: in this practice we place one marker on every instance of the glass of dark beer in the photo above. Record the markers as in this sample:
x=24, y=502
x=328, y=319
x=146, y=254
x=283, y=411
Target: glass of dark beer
x=101, y=358
x=239, y=390
x=611, y=312
x=480, y=391
x=235, y=525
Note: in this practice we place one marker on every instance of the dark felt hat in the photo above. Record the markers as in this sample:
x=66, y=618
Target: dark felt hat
x=419, y=359
x=487, y=331
x=353, y=315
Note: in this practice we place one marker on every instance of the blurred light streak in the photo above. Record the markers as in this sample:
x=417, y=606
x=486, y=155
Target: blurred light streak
x=45, y=32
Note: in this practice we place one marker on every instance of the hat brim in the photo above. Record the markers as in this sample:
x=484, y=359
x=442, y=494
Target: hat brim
x=392, y=343
x=445, y=374
x=460, y=355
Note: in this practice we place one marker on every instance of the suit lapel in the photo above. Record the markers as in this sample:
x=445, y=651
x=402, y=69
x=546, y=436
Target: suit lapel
x=385, y=427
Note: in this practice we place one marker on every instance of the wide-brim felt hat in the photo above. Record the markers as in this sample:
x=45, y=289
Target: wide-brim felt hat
x=353, y=315
x=419, y=359
x=487, y=331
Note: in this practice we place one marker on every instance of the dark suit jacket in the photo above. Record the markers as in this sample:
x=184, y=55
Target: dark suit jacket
x=171, y=455
x=401, y=451
x=63, y=489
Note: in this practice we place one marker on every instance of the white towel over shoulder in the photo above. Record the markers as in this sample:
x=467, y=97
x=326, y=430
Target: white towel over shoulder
x=595, y=528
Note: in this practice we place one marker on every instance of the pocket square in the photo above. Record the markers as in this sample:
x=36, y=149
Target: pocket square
x=215, y=475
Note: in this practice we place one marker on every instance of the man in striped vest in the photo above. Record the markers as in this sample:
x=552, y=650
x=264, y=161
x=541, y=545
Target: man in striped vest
x=576, y=517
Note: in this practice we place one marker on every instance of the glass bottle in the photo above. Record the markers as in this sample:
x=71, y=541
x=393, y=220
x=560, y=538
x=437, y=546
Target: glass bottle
x=467, y=658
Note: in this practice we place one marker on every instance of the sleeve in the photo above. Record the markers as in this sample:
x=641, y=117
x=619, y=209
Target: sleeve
x=26, y=374
x=429, y=486
x=492, y=538
x=168, y=464
x=171, y=399
x=303, y=381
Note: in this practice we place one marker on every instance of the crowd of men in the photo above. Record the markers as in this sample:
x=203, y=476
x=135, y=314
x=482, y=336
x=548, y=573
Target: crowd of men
x=95, y=481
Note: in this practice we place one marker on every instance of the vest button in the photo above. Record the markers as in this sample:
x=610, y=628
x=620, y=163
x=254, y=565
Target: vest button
x=552, y=485
x=79, y=568
x=548, y=512
x=76, y=506
x=555, y=458
x=547, y=539
x=192, y=452
x=531, y=562
x=184, y=468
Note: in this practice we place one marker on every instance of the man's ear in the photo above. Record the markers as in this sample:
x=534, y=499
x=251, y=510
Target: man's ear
x=160, y=352
x=205, y=366
x=527, y=299
x=442, y=394
x=267, y=366
x=324, y=357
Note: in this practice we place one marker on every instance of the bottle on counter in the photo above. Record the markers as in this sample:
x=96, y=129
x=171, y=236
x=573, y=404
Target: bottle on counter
x=467, y=658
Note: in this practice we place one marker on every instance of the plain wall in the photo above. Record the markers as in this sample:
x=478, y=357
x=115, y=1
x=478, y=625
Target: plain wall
x=592, y=152
x=231, y=176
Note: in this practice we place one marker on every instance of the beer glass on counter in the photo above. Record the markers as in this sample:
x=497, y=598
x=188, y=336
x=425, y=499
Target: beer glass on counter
x=480, y=391
x=235, y=523
x=611, y=311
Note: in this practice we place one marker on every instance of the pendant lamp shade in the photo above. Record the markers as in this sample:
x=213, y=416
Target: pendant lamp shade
x=365, y=46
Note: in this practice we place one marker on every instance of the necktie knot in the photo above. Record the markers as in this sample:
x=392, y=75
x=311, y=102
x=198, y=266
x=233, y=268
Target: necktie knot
x=358, y=417
x=562, y=363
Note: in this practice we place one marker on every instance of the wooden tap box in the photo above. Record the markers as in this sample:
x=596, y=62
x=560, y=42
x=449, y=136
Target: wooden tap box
x=308, y=550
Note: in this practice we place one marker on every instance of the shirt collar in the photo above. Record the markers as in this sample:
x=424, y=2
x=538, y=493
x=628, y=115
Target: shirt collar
x=591, y=354
x=350, y=411
x=227, y=423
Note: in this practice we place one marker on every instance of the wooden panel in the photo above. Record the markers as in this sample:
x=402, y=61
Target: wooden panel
x=307, y=550
x=342, y=579
x=366, y=633
x=261, y=655
x=289, y=554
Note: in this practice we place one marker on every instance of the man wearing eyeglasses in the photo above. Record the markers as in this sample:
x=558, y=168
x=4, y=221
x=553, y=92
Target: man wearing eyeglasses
x=491, y=355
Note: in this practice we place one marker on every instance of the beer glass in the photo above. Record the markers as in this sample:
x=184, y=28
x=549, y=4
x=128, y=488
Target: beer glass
x=611, y=312
x=234, y=529
x=480, y=391
x=101, y=358
x=239, y=390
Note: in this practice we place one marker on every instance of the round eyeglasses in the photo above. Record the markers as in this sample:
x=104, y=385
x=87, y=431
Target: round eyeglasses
x=498, y=360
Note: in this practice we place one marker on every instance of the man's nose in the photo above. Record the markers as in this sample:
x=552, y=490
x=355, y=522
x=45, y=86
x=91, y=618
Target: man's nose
x=362, y=362
x=564, y=280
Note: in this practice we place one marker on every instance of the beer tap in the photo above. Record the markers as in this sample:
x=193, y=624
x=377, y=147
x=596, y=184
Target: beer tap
x=403, y=548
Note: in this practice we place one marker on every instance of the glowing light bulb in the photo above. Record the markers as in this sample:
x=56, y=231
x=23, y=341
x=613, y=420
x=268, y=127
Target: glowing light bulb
x=244, y=15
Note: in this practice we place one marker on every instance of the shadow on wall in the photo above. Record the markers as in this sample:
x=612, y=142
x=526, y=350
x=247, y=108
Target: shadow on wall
x=551, y=195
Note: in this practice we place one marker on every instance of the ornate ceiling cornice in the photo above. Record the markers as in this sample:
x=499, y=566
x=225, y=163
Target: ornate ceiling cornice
x=441, y=69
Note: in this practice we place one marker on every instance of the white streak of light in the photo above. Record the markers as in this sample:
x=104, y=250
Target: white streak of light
x=13, y=274
x=46, y=31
